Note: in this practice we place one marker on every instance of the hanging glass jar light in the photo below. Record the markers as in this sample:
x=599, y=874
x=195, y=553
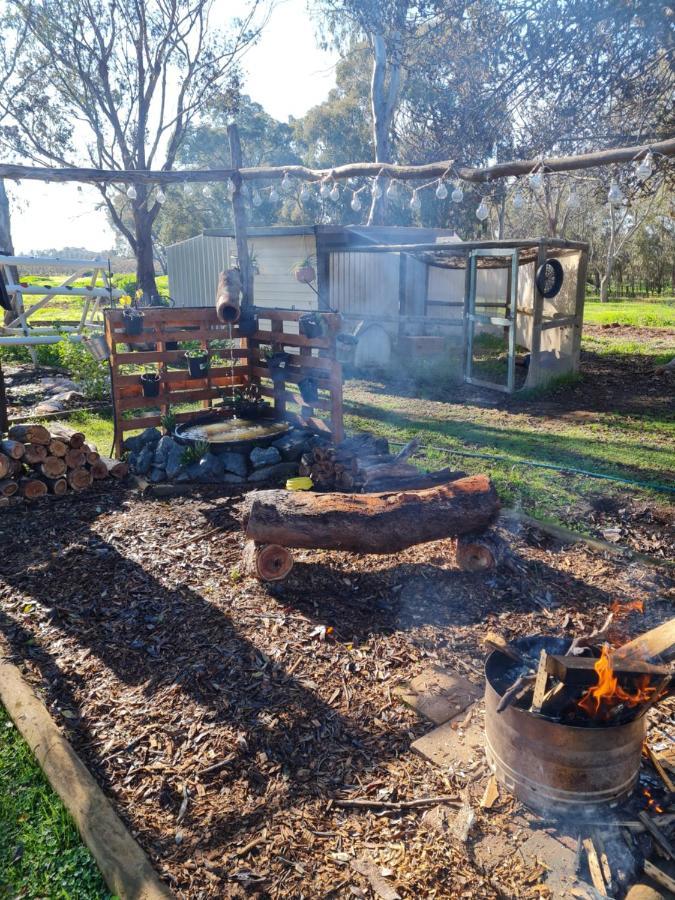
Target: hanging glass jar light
x=132, y=193
x=376, y=190
x=415, y=203
x=356, y=203
x=392, y=191
x=256, y=199
x=186, y=187
x=457, y=194
x=206, y=192
x=230, y=188
x=160, y=197
x=645, y=167
x=441, y=191
x=482, y=212
x=325, y=189
x=274, y=195
x=536, y=181
x=286, y=184
x=573, y=201
x=305, y=193
x=335, y=193
x=518, y=199
x=615, y=196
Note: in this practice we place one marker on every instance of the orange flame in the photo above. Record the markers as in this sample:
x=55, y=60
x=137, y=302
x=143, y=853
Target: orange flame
x=651, y=802
x=599, y=699
x=622, y=609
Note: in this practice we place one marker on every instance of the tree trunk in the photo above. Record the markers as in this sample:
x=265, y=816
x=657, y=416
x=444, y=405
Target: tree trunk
x=604, y=288
x=6, y=245
x=385, y=87
x=145, y=257
x=370, y=523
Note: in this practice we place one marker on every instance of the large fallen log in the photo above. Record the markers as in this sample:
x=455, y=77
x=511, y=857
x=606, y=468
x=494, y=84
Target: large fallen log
x=370, y=523
x=411, y=482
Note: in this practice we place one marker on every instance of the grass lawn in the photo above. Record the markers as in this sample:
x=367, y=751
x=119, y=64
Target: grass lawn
x=639, y=313
x=41, y=854
x=65, y=307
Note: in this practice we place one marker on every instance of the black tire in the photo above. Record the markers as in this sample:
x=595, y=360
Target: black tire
x=550, y=276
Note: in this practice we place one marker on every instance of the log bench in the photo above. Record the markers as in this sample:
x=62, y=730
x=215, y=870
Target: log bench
x=277, y=521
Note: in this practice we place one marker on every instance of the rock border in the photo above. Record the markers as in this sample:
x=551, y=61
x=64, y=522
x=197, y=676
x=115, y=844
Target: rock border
x=125, y=867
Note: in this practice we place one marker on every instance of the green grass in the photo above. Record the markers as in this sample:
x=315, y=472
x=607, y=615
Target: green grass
x=41, y=853
x=638, y=313
x=64, y=307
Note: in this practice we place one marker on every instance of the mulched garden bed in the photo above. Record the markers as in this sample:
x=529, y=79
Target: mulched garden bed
x=223, y=716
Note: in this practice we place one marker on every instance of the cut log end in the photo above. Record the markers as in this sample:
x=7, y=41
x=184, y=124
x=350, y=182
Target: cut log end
x=32, y=488
x=267, y=562
x=480, y=553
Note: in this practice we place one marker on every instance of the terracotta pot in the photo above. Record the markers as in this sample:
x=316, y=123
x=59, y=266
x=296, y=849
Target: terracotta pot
x=305, y=274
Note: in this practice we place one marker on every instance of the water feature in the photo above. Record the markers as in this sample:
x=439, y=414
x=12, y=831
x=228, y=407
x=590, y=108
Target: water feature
x=233, y=393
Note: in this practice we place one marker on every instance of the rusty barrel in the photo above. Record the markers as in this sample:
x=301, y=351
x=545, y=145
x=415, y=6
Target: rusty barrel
x=553, y=767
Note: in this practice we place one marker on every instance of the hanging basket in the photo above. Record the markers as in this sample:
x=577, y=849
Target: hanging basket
x=150, y=384
x=312, y=325
x=309, y=390
x=550, y=277
x=198, y=366
x=133, y=322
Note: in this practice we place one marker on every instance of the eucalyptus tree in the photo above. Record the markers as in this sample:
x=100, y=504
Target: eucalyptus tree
x=128, y=80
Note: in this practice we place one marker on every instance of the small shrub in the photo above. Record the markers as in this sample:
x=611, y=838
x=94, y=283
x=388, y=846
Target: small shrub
x=82, y=367
x=168, y=421
x=194, y=453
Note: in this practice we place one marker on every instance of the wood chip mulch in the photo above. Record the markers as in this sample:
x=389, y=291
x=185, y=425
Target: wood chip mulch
x=223, y=717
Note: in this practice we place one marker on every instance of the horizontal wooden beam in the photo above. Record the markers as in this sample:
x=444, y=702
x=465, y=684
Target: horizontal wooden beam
x=446, y=167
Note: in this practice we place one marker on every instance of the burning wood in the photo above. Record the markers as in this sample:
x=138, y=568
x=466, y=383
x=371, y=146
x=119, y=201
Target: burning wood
x=600, y=700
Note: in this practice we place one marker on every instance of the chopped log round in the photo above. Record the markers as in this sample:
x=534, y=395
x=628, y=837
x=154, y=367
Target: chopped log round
x=370, y=523
x=268, y=562
x=53, y=467
x=99, y=470
x=79, y=479
x=5, y=465
x=478, y=553
x=75, y=458
x=91, y=454
x=35, y=453
x=32, y=488
x=8, y=487
x=15, y=467
x=58, y=447
x=13, y=449
x=30, y=434
x=116, y=468
x=68, y=435
x=56, y=486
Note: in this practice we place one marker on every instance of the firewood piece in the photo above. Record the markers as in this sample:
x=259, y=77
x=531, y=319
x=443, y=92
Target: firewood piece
x=116, y=468
x=5, y=465
x=365, y=803
x=58, y=447
x=15, y=468
x=268, y=562
x=411, y=447
x=479, y=553
x=419, y=481
x=75, y=458
x=13, y=449
x=519, y=687
x=657, y=644
x=99, y=470
x=35, y=453
x=661, y=772
x=8, y=487
x=79, y=479
x=68, y=435
x=53, y=467
x=540, y=684
x=659, y=876
x=597, y=636
x=366, y=867
x=32, y=488
x=499, y=643
x=595, y=867
x=599, y=844
x=91, y=453
x=56, y=486
x=657, y=834
x=581, y=669
x=370, y=523
x=30, y=434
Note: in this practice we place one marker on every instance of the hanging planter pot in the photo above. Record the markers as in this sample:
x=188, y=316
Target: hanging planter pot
x=311, y=325
x=96, y=344
x=198, y=364
x=277, y=364
x=171, y=345
x=309, y=390
x=247, y=325
x=150, y=384
x=133, y=321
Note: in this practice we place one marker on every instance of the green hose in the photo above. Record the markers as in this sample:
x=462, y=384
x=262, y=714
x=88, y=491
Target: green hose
x=651, y=486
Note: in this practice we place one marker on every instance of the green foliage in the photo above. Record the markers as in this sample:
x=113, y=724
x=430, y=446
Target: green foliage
x=82, y=367
x=631, y=312
x=194, y=453
x=41, y=854
x=168, y=421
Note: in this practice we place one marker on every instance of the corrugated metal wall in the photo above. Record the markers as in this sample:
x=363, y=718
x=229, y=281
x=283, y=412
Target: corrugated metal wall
x=365, y=284
x=194, y=266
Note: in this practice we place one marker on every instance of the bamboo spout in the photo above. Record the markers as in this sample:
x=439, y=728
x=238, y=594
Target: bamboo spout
x=228, y=296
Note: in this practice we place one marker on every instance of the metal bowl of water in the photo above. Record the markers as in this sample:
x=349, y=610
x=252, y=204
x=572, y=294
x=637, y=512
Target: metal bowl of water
x=226, y=433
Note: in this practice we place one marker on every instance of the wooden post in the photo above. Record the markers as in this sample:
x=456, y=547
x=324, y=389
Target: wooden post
x=4, y=418
x=537, y=316
x=239, y=217
x=579, y=307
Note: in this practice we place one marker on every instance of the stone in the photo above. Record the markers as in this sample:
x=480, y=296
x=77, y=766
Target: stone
x=438, y=694
x=280, y=472
x=450, y=747
x=150, y=436
x=157, y=474
x=264, y=456
x=164, y=447
x=235, y=463
x=232, y=478
x=144, y=460
x=291, y=446
x=134, y=444
x=173, y=461
x=210, y=468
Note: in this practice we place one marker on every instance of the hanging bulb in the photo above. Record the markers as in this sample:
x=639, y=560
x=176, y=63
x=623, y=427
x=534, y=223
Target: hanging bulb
x=160, y=197
x=415, y=203
x=376, y=190
x=457, y=195
x=230, y=188
x=518, y=199
x=392, y=191
x=305, y=193
x=356, y=203
x=132, y=193
x=286, y=184
x=441, y=191
x=206, y=191
x=335, y=194
x=573, y=200
x=646, y=167
x=256, y=199
x=186, y=187
x=274, y=195
x=324, y=190
x=536, y=181
x=615, y=197
x=482, y=212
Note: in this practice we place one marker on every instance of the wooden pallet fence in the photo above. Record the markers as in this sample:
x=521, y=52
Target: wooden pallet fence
x=278, y=330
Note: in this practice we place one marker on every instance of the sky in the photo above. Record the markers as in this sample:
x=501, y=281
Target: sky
x=286, y=72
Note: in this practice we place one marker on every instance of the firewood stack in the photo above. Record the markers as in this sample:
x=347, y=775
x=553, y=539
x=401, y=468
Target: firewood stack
x=362, y=463
x=35, y=461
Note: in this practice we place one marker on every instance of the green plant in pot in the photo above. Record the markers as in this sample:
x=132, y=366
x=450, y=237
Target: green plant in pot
x=133, y=321
x=150, y=383
x=277, y=363
x=312, y=325
x=198, y=362
x=248, y=402
x=309, y=390
x=305, y=271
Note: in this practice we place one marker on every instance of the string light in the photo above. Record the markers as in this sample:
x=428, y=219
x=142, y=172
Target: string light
x=482, y=212
x=441, y=191
x=335, y=193
x=132, y=193
x=615, y=196
x=324, y=190
x=274, y=195
x=518, y=199
x=186, y=187
x=376, y=189
x=646, y=167
x=415, y=203
x=286, y=184
x=356, y=203
x=256, y=199
x=160, y=197
x=457, y=195
x=305, y=193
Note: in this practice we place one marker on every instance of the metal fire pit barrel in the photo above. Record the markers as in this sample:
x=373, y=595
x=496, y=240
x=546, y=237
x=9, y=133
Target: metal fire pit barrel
x=551, y=766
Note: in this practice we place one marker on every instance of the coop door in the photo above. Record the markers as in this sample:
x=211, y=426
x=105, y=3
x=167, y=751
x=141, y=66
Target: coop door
x=490, y=319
